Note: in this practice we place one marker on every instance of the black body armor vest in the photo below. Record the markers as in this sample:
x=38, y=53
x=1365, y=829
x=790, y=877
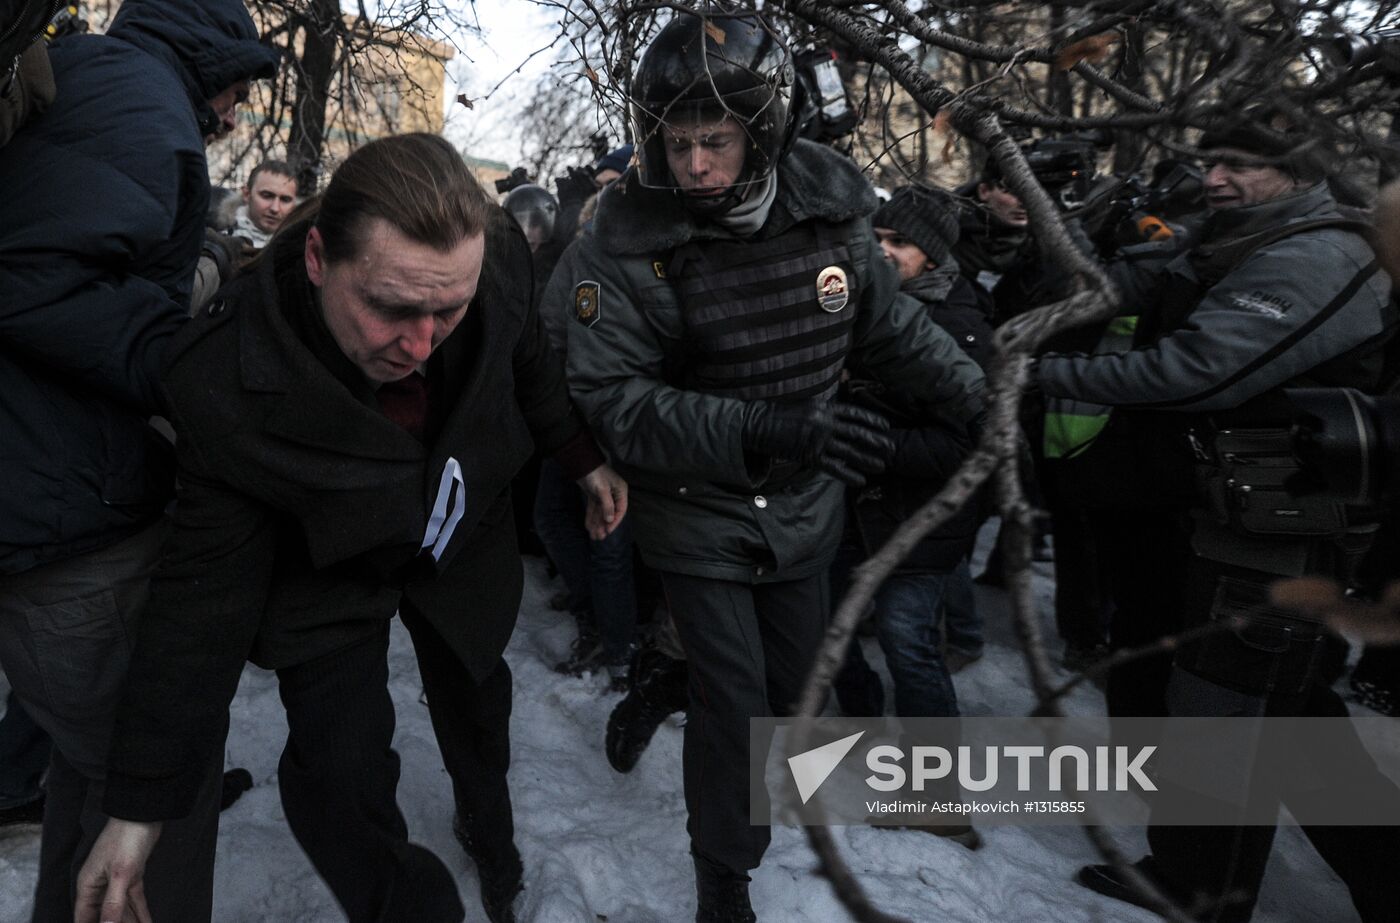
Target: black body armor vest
x=768, y=319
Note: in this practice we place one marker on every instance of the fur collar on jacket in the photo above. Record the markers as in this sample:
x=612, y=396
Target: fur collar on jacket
x=813, y=182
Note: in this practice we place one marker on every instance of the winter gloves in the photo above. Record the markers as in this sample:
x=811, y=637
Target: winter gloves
x=840, y=439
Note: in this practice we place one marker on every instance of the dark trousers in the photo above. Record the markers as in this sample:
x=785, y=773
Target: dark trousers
x=1270, y=670
x=1146, y=554
x=181, y=867
x=471, y=721
x=338, y=776
x=66, y=631
x=597, y=573
x=749, y=648
x=1224, y=866
x=1082, y=606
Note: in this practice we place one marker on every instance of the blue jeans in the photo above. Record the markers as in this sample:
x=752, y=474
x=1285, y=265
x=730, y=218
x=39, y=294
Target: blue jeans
x=598, y=574
x=907, y=611
x=962, y=623
x=24, y=755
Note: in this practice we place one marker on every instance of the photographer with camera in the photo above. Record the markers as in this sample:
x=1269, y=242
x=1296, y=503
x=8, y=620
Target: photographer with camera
x=997, y=250
x=994, y=237
x=1276, y=290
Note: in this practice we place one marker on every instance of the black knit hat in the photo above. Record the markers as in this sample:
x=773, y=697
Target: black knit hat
x=928, y=218
x=1267, y=133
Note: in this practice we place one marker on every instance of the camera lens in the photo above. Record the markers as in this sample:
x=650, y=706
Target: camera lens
x=1348, y=443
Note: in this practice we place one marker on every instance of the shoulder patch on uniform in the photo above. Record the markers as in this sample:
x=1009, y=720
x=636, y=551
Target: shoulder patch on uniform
x=1263, y=303
x=588, y=302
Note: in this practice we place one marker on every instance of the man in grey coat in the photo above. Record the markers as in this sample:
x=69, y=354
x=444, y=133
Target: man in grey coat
x=712, y=306
x=1278, y=290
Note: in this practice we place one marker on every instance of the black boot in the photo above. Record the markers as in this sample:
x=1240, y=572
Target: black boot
x=585, y=654
x=498, y=868
x=656, y=688
x=722, y=894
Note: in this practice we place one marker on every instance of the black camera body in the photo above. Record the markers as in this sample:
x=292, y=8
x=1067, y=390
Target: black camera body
x=518, y=177
x=1066, y=166
x=1367, y=55
x=827, y=114
x=1139, y=211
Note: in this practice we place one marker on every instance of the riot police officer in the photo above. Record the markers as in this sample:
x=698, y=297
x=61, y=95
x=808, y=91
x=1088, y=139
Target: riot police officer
x=712, y=306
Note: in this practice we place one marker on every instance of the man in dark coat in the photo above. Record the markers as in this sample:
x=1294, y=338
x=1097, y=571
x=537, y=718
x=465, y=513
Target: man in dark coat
x=349, y=418
x=917, y=229
x=100, y=229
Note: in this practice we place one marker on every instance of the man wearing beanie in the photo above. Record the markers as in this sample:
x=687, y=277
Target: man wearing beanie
x=612, y=165
x=1277, y=290
x=100, y=231
x=916, y=230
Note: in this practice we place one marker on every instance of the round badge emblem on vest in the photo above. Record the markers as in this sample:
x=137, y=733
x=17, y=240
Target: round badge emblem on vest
x=832, y=291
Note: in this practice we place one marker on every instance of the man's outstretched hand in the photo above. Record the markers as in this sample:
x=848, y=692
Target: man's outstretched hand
x=111, y=888
x=607, y=501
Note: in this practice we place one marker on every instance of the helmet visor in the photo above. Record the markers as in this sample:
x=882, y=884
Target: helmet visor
x=712, y=146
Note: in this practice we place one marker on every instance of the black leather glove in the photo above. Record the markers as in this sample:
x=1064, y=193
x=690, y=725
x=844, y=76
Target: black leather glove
x=574, y=187
x=841, y=439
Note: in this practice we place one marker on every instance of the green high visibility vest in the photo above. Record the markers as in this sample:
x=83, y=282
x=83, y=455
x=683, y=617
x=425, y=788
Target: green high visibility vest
x=1071, y=425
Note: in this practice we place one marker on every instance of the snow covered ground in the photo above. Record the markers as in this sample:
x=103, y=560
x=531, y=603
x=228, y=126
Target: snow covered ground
x=599, y=846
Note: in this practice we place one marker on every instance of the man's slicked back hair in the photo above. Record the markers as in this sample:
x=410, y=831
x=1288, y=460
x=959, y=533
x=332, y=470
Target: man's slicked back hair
x=418, y=183
x=276, y=167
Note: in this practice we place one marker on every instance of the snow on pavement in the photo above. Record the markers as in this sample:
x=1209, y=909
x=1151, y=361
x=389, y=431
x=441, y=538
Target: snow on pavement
x=599, y=846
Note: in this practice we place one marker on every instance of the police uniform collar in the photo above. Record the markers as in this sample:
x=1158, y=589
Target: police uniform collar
x=814, y=182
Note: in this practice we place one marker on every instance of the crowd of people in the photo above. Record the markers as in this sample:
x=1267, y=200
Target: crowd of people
x=256, y=426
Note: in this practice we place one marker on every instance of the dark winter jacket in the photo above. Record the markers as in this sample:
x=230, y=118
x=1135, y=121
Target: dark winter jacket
x=302, y=507
x=951, y=303
x=989, y=251
x=100, y=230
x=1008, y=273
x=927, y=452
x=699, y=508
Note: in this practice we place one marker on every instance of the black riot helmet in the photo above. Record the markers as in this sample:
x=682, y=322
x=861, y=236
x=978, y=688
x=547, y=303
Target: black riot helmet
x=703, y=67
x=535, y=210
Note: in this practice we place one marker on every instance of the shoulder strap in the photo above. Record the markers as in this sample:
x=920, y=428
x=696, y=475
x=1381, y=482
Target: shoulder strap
x=1215, y=263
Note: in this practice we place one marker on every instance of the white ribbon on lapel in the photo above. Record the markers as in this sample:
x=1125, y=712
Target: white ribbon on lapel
x=451, y=489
